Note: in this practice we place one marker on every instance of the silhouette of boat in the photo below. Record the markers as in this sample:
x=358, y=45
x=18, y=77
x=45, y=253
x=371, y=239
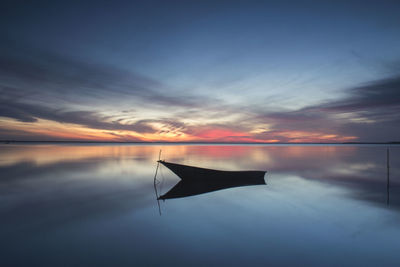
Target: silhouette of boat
x=195, y=180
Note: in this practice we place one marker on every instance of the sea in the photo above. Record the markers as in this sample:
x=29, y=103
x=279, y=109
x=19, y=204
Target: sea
x=96, y=204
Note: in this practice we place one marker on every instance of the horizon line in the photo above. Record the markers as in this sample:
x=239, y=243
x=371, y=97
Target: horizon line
x=195, y=142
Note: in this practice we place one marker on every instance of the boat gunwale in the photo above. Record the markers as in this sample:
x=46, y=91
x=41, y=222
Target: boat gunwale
x=208, y=169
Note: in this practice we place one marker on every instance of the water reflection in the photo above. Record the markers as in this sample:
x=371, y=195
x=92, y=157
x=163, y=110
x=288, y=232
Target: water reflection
x=37, y=170
x=69, y=204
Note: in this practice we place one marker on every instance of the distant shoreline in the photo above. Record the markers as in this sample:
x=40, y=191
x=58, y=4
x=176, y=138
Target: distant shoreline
x=191, y=143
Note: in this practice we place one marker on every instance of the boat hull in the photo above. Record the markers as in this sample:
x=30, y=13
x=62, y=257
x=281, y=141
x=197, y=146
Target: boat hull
x=195, y=180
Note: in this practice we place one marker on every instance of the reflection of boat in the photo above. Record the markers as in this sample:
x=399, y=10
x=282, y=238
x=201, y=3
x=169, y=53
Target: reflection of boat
x=195, y=180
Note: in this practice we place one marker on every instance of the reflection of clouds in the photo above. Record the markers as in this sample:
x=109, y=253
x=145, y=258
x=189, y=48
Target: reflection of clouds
x=361, y=169
x=40, y=196
x=59, y=202
x=50, y=154
x=355, y=169
x=43, y=185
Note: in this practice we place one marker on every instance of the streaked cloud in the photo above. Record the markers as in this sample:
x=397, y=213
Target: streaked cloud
x=209, y=72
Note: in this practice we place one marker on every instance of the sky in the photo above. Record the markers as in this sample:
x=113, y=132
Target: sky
x=200, y=71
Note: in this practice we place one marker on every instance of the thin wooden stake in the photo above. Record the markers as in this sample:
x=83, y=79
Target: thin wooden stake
x=155, y=184
x=387, y=178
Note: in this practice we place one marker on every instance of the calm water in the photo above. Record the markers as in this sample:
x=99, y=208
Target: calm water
x=95, y=205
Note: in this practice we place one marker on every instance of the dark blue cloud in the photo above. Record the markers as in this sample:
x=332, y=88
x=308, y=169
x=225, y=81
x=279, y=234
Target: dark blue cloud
x=173, y=61
x=34, y=73
x=381, y=94
x=369, y=112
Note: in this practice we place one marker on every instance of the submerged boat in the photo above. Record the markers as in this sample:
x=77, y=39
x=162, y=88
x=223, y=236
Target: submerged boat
x=195, y=180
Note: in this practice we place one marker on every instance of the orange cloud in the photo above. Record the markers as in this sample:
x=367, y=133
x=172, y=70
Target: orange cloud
x=45, y=129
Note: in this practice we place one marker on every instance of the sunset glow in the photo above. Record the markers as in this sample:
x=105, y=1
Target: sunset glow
x=200, y=72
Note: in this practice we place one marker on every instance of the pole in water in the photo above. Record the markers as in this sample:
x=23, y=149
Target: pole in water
x=387, y=177
x=155, y=183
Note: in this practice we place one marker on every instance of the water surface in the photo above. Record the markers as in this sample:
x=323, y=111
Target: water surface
x=95, y=205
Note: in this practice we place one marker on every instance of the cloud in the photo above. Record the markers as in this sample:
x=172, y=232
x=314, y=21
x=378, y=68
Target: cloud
x=40, y=85
x=31, y=74
x=369, y=112
x=30, y=113
x=383, y=93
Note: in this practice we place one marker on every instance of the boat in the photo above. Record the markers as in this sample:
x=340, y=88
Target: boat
x=196, y=180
